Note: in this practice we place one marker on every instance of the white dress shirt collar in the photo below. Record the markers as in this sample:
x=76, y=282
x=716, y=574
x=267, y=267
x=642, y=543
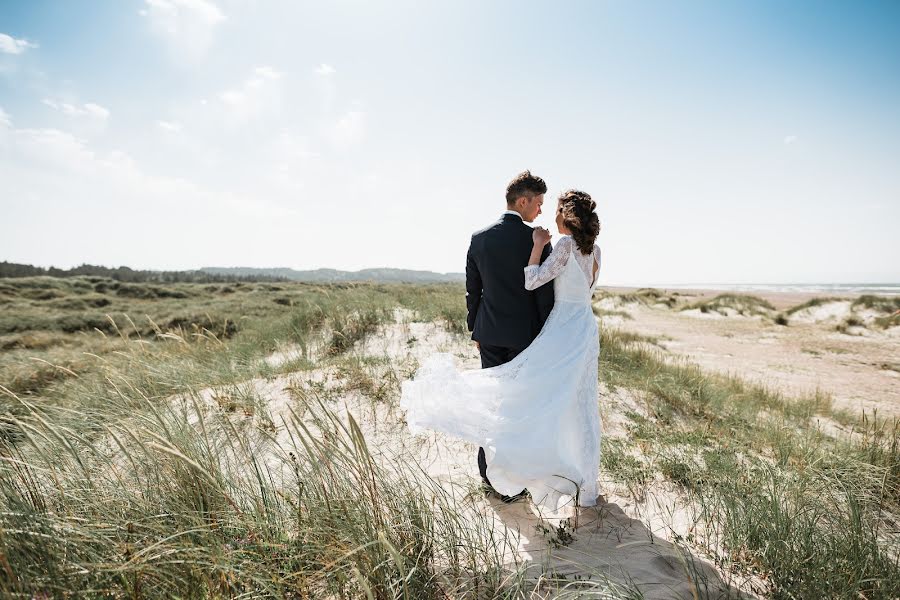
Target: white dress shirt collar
x=512, y=212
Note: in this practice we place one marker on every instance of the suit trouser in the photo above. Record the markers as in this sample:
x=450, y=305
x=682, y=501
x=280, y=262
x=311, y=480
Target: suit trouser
x=492, y=356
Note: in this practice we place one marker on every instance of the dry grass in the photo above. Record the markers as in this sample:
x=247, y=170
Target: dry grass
x=111, y=489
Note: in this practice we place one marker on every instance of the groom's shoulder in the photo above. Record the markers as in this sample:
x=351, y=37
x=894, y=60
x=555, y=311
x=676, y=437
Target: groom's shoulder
x=501, y=227
x=485, y=230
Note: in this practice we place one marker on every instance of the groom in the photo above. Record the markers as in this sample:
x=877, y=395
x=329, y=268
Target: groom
x=503, y=316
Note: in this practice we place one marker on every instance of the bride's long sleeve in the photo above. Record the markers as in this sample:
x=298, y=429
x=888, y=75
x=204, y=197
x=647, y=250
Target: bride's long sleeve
x=538, y=275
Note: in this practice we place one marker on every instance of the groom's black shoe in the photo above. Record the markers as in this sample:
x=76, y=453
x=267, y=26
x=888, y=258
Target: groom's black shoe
x=490, y=491
x=510, y=499
x=488, y=488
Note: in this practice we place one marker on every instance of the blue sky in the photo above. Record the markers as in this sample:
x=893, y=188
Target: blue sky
x=723, y=141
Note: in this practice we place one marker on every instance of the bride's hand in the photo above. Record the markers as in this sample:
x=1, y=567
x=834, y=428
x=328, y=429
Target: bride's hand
x=540, y=236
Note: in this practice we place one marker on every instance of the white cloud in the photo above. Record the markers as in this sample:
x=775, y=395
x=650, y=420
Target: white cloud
x=790, y=139
x=11, y=45
x=55, y=148
x=267, y=72
x=325, y=69
x=5, y=119
x=258, y=96
x=67, y=162
x=187, y=25
x=349, y=130
x=169, y=126
x=94, y=111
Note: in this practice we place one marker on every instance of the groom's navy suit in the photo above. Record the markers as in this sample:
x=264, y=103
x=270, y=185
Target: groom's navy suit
x=503, y=316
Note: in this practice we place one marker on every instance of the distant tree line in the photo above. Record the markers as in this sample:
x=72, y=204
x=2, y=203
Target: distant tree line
x=126, y=274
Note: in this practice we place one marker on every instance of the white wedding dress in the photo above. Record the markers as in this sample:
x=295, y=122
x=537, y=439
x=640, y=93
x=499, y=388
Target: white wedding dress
x=537, y=416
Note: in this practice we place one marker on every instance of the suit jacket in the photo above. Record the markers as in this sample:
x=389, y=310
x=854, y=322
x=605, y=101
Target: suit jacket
x=501, y=312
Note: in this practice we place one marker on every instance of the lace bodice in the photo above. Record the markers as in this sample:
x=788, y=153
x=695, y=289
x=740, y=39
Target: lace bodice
x=538, y=275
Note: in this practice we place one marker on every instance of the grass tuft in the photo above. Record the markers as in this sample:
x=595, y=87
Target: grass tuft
x=727, y=304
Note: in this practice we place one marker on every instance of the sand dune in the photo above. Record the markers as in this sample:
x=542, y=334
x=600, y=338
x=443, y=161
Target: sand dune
x=620, y=542
x=641, y=540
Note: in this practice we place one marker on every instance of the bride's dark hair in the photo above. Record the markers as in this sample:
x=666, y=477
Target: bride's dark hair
x=579, y=217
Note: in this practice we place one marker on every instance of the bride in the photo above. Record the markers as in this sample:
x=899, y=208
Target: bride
x=537, y=416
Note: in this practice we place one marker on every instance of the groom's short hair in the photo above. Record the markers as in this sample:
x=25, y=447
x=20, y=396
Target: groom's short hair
x=524, y=184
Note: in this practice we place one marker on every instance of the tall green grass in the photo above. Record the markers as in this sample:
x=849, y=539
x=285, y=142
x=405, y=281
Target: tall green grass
x=159, y=508
x=120, y=479
x=113, y=488
x=811, y=514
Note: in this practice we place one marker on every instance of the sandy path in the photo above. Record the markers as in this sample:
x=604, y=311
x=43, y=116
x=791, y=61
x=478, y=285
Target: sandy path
x=858, y=371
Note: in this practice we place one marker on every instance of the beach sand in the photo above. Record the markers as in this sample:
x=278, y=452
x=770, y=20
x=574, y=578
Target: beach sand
x=861, y=371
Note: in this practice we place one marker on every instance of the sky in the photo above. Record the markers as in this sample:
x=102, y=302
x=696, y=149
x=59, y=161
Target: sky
x=724, y=141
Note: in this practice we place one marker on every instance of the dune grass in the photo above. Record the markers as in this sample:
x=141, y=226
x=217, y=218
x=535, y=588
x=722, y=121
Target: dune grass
x=158, y=509
x=783, y=318
x=600, y=312
x=111, y=487
x=645, y=296
x=108, y=490
x=848, y=323
x=887, y=306
x=882, y=304
x=742, y=304
x=812, y=303
x=888, y=321
x=120, y=480
x=655, y=296
x=813, y=515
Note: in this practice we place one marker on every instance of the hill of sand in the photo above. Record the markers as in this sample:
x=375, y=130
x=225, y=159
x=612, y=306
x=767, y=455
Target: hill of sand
x=622, y=541
x=628, y=539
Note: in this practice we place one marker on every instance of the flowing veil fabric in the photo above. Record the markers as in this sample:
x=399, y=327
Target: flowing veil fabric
x=537, y=416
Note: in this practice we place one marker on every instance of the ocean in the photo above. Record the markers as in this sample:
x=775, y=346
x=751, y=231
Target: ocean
x=880, y=289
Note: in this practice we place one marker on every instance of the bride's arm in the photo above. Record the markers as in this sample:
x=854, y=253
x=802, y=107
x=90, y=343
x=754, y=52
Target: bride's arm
x=537, y=274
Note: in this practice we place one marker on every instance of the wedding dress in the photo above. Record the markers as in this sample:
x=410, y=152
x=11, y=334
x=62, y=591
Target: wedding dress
x=537, y=416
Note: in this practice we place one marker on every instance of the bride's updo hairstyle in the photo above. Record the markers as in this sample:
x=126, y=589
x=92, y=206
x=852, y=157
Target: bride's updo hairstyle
x=579, y=217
